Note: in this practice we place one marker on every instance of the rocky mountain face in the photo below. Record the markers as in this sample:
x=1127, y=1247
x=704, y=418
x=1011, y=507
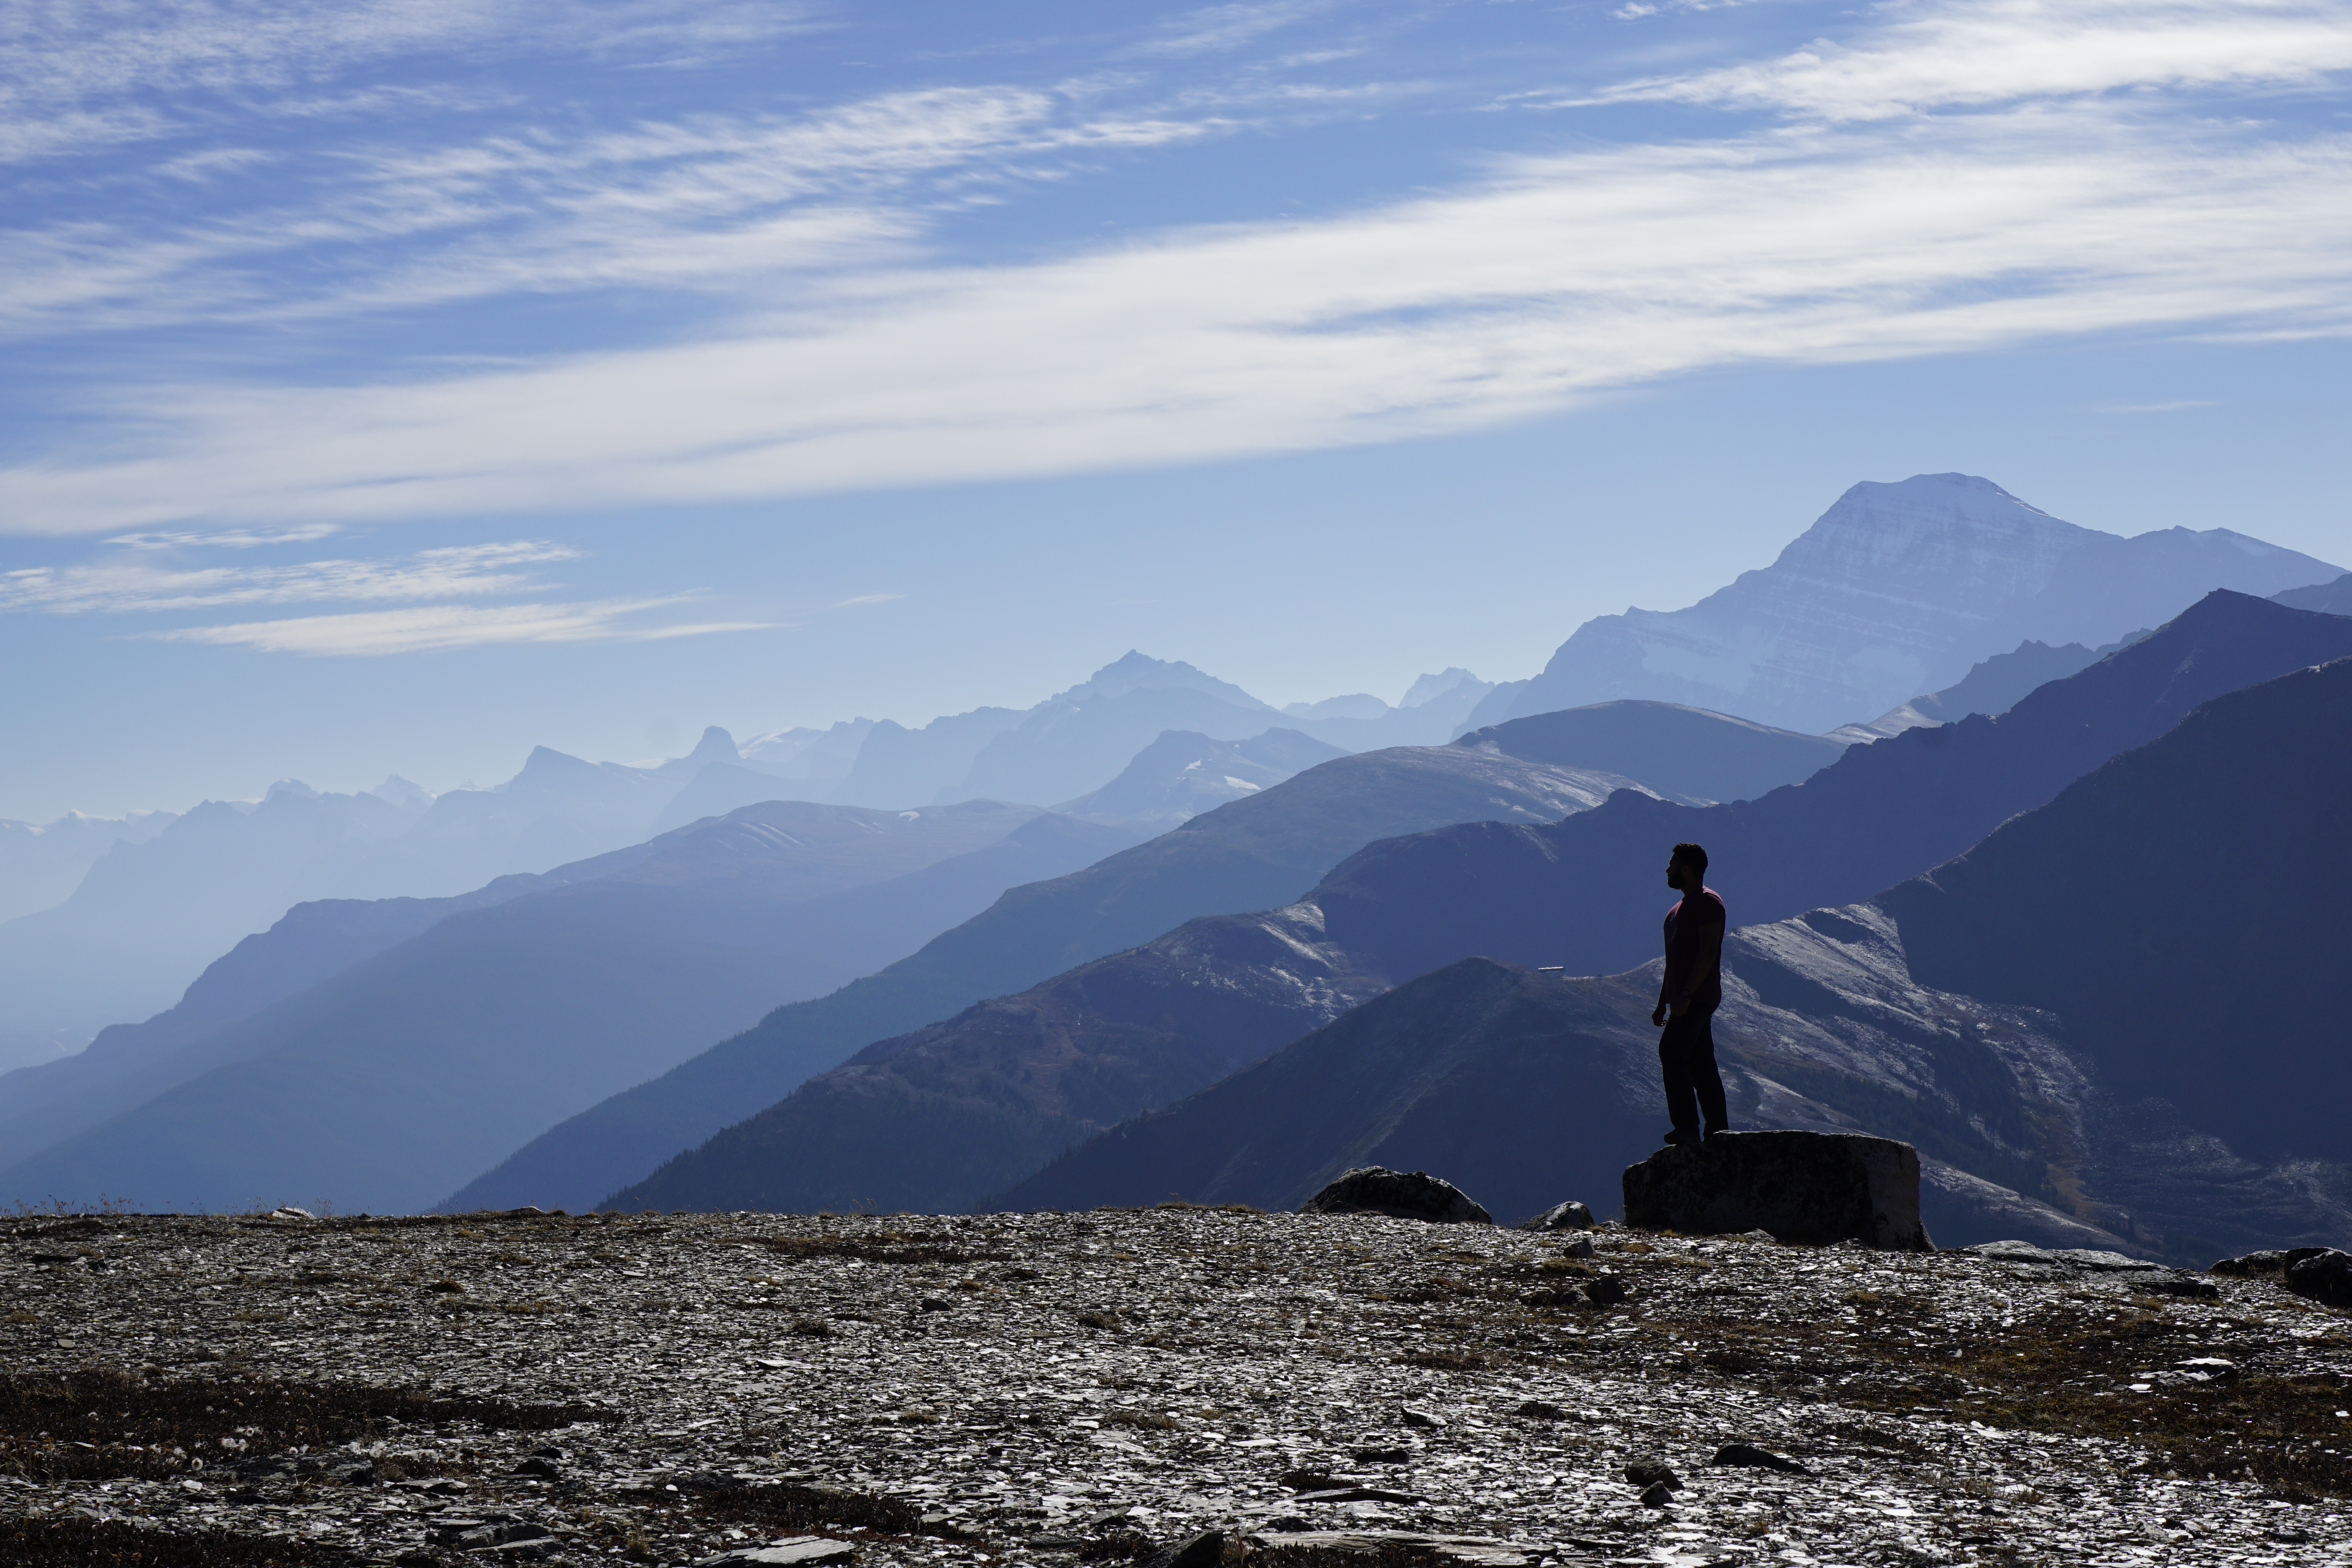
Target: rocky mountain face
x=2067, y=1073
x=1261, y=850
x=391, y=1079
x=1897, y=589
x=1687, y=752
x=988, y=1088
x=1182, y=774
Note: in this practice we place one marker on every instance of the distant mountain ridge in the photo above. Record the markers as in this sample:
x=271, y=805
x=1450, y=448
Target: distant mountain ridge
x=1182, y=774
x=404, y=1070
x=1895, y=590
x=986, y=1091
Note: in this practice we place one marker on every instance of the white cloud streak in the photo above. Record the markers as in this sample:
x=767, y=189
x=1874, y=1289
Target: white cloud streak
x=441, y=627
x=2003, y=51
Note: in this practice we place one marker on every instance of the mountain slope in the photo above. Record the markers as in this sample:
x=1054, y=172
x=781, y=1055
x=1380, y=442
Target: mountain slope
x=525, y=1011
x=1261, y=850
x=1183, y=773
x=1585, y=891
x=1673, y=749
x=1897, y=589
x=2080, y=1023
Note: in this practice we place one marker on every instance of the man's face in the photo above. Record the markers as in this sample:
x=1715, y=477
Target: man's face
x=1674, y=874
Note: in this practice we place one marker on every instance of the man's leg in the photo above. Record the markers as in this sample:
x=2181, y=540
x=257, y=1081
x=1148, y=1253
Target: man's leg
x=1675, y=1046
x=1706, y=1079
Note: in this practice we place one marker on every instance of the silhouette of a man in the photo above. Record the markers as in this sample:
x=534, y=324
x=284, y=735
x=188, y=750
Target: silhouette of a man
x=1688, y=995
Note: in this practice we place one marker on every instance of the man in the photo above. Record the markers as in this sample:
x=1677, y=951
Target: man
x=1688, y=994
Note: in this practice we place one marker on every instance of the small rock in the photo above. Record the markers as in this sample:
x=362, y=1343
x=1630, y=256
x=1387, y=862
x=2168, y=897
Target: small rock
x=1399, y=1195
x=1416, y=1417
x=1570, y=1215
x=2326, y=1275
x=1756, y=1458
x=1357, y=1494
x=2211, y=1368
x=1379, y=1456
x=1658, y=1496
x=542, y=1469
x=2186, y=1285
x=1606, y=1290
x=1541, y=1410
x=1205, y=1550
x=1648, y=1473
x=1756, y=1235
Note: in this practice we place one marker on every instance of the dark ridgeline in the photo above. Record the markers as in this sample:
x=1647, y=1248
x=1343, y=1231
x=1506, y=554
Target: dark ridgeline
x=944, y=1117
x=2117, y=1027
x=1264, y=850
x=445, y=1032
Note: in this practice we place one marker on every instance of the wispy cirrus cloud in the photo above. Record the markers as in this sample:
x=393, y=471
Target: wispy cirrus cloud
x=439, y=629
x=726, y=203
x=137, y=584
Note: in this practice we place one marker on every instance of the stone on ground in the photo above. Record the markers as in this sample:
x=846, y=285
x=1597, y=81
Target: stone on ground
x=1570, y=1215
x=1401, y=1195
x=1815, y=1188
x=2324, y=1275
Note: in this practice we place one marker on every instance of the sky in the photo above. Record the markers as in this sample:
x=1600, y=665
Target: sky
x=394, y=386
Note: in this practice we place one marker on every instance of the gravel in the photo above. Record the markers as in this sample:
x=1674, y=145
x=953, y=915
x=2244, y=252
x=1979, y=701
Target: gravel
x=1103, y=1388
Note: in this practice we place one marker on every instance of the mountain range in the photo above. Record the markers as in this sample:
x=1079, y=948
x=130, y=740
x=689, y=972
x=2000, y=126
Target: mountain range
x=977, y=1102
x=2081, y=1023
x=435, y=1036
x=1264, y=847
x=1895, y=590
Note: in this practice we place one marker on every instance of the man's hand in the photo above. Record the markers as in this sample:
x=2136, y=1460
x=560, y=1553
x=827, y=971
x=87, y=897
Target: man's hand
x=1658, y=1016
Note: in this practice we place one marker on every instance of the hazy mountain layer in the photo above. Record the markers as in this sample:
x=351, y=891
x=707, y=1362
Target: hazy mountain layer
x=1265, y=849
x=1897, y=589
x=384, y=1085
x=1994, y=686
x=2076, y=1022
x=1182, y=774
x=998, y=1089
x=2329, y=598
x=1675, y=751
x=41, y=865
x=148, y=916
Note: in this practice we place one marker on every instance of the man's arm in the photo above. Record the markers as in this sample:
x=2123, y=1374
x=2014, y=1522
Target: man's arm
x=1710, y=947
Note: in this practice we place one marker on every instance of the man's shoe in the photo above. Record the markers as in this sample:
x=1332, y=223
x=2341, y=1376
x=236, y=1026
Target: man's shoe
x=1714, y=1132
x=1681, y=1136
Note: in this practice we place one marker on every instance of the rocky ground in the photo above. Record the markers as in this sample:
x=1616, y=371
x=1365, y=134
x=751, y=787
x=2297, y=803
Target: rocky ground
x=1091, y=1387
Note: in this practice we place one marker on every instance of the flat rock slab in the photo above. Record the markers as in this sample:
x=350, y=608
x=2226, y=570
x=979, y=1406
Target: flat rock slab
x=801, y=1552
x=1814, y=1188
x=1483, y=1551
x=1399, y=1195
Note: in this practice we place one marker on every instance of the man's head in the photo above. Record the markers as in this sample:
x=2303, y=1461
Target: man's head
x=1687, y=868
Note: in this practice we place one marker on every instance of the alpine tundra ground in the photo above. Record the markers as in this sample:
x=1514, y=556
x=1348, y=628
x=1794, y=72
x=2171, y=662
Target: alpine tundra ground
x=1052, y=1389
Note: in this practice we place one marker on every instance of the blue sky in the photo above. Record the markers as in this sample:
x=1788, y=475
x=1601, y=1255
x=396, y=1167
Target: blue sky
x=394, y=387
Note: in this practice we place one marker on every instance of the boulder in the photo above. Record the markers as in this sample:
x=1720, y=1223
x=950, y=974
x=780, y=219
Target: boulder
x=1570, y=1215
x=1401, y=1195
x=2249, y=1265
x=2323, y=1273
x=1811, y=1187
